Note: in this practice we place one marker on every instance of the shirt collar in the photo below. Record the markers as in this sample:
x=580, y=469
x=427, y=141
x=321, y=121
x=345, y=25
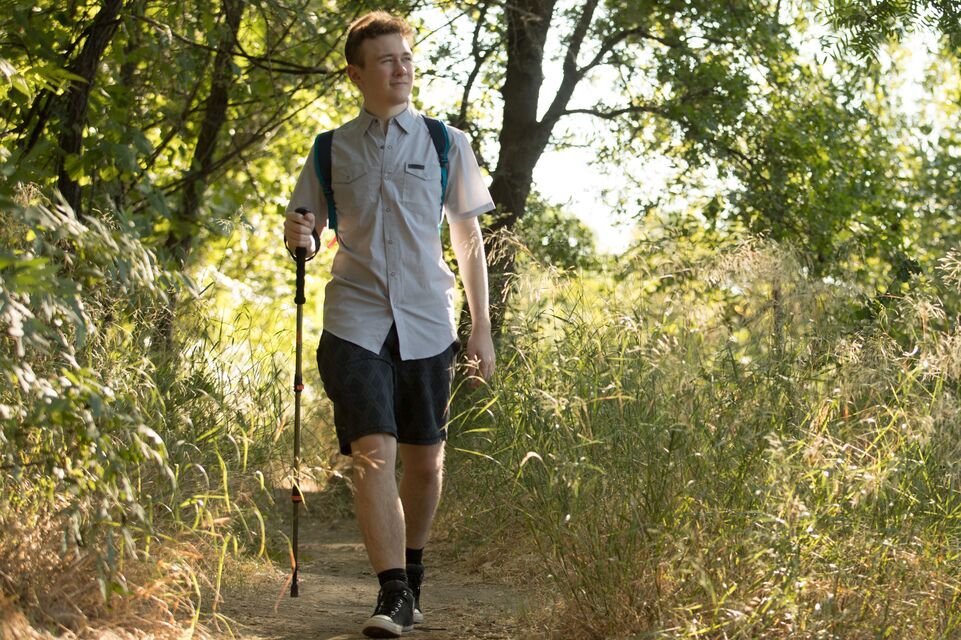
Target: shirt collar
x=405, y=118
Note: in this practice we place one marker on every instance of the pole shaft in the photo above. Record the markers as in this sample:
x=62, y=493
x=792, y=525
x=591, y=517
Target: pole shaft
x=295, y=495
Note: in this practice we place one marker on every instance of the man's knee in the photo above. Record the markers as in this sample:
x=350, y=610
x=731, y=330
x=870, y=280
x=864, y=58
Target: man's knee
x=423, y=464
x=373, y=453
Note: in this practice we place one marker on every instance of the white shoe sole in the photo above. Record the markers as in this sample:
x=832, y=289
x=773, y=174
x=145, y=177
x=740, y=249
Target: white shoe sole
x=381, y=626
x=418, y=616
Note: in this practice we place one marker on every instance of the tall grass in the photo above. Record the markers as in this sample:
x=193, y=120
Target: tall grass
x=690, y=445
x=130, y=477
x=718, y=446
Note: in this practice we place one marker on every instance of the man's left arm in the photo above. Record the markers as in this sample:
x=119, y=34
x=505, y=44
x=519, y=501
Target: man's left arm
x=468, y=244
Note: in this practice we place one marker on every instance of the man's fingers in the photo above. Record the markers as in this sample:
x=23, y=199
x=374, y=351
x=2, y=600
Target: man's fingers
x=488, y=369
x=301, y=220
x=298, y=229
x=471, y=369
x=473, y=366
x=476, y=379
x=299, y=239
x=479, y=369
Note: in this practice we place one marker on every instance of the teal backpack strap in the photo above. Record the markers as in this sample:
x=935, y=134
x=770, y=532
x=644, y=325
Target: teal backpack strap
x=323, y=145
x=441, y=139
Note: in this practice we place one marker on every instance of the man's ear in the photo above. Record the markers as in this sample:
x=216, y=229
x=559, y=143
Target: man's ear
x=353, y=72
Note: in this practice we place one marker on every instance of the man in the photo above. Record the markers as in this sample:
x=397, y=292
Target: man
x=389, y=339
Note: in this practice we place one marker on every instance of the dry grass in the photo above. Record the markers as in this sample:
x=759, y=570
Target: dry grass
x=744, y=453
x=50, y=593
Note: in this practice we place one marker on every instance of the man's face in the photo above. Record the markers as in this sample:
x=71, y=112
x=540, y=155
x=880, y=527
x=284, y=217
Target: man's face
x=387, y=76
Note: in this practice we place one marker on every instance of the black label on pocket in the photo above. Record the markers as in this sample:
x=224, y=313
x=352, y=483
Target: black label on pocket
x=414, y=166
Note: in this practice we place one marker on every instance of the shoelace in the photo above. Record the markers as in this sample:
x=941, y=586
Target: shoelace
x=397, y=604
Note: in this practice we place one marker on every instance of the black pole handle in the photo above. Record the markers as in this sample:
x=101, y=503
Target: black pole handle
x=301, y=256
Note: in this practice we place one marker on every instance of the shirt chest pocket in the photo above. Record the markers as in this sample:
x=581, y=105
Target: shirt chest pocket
x=351, y=185
x=421, y=190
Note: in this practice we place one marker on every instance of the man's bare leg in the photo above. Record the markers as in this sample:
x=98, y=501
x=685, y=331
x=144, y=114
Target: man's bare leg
x=420, y=488
x=381, y=518
x=376, y=501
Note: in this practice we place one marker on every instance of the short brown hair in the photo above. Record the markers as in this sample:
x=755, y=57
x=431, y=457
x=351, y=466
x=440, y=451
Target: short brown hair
x=373, y=25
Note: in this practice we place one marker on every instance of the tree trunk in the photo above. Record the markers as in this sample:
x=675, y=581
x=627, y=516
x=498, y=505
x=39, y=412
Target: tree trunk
x=523, y=138
x=183, y=232
x=75, y=101
x=181, y=236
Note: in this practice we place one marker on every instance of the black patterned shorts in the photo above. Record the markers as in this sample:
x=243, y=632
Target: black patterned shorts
x=380, y=393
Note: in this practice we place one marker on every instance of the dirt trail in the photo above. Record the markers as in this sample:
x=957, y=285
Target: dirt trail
x=338, y=591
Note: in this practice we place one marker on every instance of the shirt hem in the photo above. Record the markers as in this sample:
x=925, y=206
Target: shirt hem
x=473, y=213
x=351, y=341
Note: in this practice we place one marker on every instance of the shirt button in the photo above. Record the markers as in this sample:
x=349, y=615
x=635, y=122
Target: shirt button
x=390, y=242
x=387, y=209
x=390, y=147
x=393, y=274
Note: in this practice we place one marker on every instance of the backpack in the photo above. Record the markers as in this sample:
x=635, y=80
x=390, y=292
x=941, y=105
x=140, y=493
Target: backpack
x=323, y=145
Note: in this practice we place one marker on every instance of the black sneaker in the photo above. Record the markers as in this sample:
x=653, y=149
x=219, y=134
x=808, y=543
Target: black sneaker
x=394, y=613
x=415, y=577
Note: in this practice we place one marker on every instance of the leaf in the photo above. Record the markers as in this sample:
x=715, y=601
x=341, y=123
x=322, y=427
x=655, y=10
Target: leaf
x=7, y=69
x=19, y=83
x=74, y=166
x=15, y=79
x=530, y=455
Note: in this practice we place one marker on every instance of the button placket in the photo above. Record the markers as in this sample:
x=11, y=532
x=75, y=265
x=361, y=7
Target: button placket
x=387, y=158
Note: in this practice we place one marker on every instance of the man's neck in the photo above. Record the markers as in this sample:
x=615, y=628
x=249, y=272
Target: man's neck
x=385, y=112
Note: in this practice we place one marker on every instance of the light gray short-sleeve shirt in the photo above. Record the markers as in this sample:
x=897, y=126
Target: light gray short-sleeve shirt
x=389, y=266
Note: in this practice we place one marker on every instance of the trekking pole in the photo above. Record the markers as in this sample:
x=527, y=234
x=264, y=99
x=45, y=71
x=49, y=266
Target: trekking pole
x=295, y=496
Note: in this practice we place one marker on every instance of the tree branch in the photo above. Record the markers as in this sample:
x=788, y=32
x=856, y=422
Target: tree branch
x=572, y=75
x=577, y=38
x=616, y=38
x=480, y=57
x=179, y=241
x=237, y=148
x=75, y=101
x=613, y=114
x=261, y=62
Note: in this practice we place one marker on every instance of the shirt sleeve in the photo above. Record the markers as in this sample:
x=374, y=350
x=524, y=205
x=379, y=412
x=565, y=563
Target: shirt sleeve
x=467, y=195
x=308, y=193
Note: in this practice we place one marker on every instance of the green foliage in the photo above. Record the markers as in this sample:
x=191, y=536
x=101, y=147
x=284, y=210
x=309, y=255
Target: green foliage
x=147, y=106
x=552, y=236
x=74, y=305
x=826, y=175
x=865, y=25
x=939, y=197
x=132, y=454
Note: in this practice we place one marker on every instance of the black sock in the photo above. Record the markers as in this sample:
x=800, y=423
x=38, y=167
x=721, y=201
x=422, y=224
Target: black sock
x=392, y=574
x=415, y=556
